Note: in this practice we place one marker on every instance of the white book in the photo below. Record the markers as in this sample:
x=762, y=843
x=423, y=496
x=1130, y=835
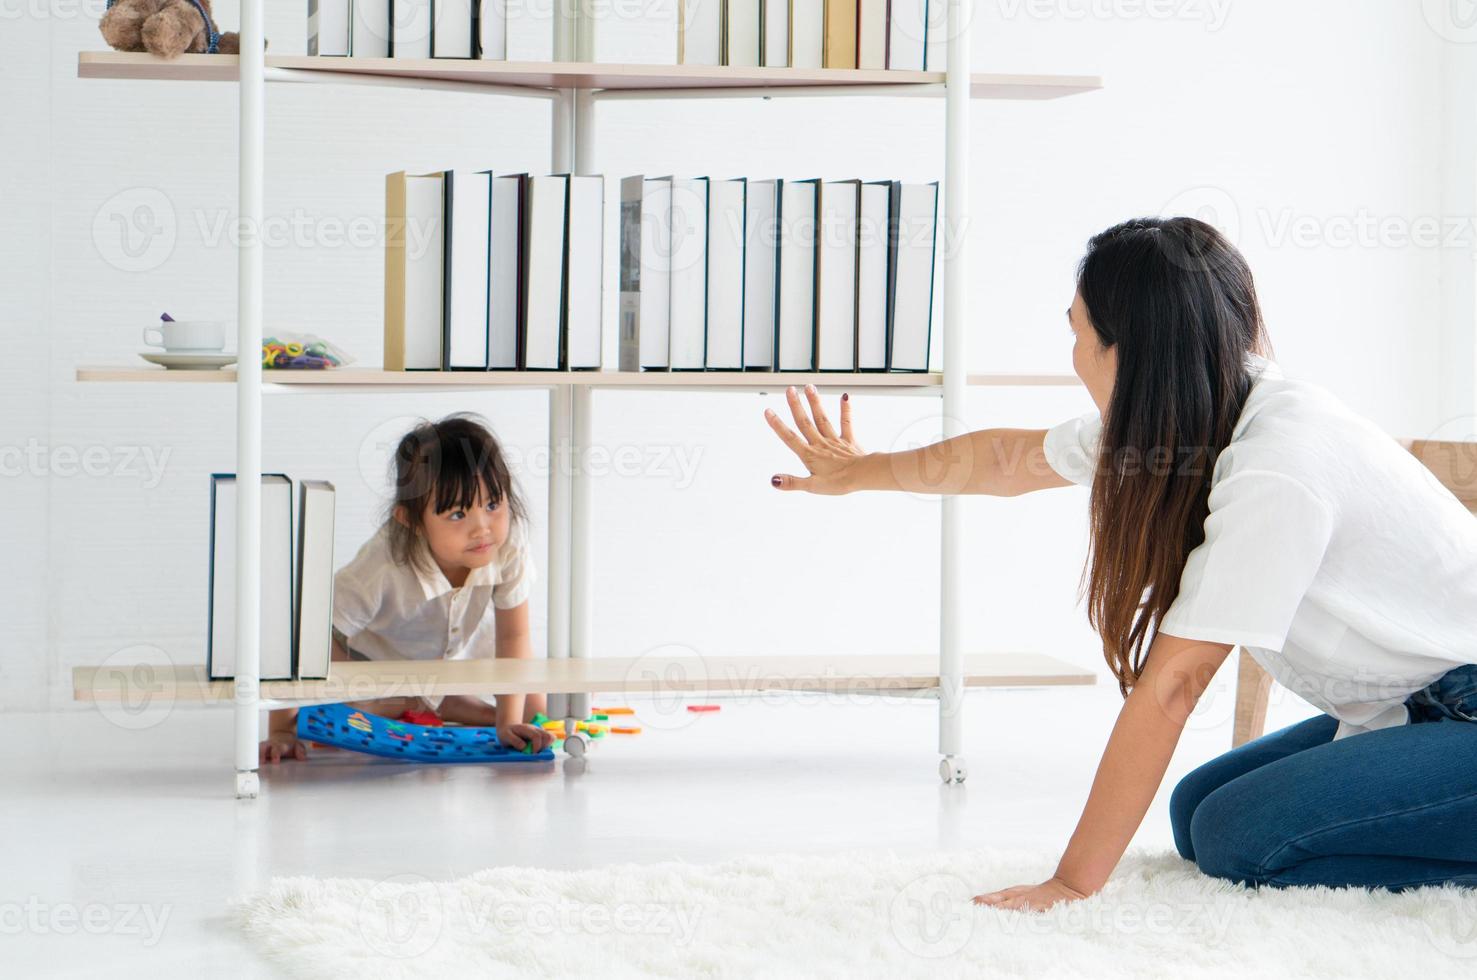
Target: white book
x=492, y=30
x=644, y=33
x=451, y=31
x=871, y=278
x=915, y=223
x=529, y=29
x=871, y=26
x=700, y=32
x=585, y=289
x=774, y=50
x=741, y=33
x=796, y=305
x=275, y=637
x=371, y=29
x=410, y=34
x=725, y=342
x=807, y=33
x=688, y=226
x=907, y=33
x=936, y=35
x=415, y=301
x=760, y=255
x=645, y=273
x=502, y=274
x=543, y=304
x=836, y=270
x=313, y=633
x=328, y=28
x=468, y=213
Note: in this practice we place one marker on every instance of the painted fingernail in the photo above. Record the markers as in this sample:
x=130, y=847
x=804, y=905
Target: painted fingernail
x=774, y=481
x=846, y=396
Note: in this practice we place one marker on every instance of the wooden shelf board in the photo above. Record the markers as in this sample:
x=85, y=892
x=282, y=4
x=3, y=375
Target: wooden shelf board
x=555, y=74
x=373, y=377
x=358, y=680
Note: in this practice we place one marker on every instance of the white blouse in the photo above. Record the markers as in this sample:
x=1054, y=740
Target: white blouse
x=1331, y=554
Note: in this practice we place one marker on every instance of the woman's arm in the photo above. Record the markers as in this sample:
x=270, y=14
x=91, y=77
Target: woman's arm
x=1175, y=675
x=999, y=462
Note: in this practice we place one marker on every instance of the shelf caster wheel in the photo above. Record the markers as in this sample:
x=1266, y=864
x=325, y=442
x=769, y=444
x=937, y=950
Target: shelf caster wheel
x=247, y=785
x=952, y=770
x=575, y=746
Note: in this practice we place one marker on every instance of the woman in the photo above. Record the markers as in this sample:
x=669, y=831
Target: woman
x=1231, y=506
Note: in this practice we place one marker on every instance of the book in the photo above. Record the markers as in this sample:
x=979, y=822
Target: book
x=328, y=28
x=505, y=283
x=645, y=274
x=313, y=623
x=914, y=223
x=871, y=34
x=688, y=306
x=700, y=32
x=871, y=276
x=741, y=22
x=836, y=279
x=906, y=33
x=936, y=35
x=492, y=30
x=529, y=29
x=725, y=340
x=275, y=636
x=838, y=45
x=414, y=291
x=774, y=33
x=584, y=272
x=644, y=33
x=410, y=28
x=795, y=285
x=543, y=273
x=452, y=34
x=468, y=209
x=371, y=29
x=807, y=33
x=761, y=257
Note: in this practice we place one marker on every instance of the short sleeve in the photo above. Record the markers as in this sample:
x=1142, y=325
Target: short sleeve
x=1072, y=448
x=517, y=573
x=1265, y=538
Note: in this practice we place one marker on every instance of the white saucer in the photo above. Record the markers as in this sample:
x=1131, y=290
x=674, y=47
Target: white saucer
x=192, y=361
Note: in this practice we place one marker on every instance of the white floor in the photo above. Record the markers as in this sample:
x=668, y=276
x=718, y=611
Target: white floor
x=120, y=847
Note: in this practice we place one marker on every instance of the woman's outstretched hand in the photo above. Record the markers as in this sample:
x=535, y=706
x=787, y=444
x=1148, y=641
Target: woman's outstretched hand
x=829, y=458
x=1032, y=898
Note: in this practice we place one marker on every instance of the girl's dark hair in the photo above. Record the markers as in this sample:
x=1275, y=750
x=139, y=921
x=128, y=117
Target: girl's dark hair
x=445, y=464
x=1176, y=300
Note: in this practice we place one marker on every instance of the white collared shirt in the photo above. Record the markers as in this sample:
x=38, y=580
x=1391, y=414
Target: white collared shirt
x=391, y=611
x=1331, y=554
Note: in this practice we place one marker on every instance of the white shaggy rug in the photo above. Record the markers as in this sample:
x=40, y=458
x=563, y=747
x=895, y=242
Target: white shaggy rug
x=858, y=914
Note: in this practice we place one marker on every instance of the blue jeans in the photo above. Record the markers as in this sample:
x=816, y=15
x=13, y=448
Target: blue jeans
x=1393, y=808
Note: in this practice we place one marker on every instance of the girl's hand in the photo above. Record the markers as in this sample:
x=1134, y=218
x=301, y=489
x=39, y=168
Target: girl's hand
x=523, y=734
x=830, y=458
x=281, y=745
x=1033, y=898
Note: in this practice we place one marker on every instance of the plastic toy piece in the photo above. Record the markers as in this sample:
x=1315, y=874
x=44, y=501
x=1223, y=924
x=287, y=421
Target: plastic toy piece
x=704, y=707
x=629, y=730
x=615, y=711
x=422, y=718
x=340, y=725
x=552, y=726
x=605, y=717
x=539, y=718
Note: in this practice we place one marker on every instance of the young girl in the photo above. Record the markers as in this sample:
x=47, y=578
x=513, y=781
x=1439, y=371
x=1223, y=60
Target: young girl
x=447, y=575
x=1232, y=506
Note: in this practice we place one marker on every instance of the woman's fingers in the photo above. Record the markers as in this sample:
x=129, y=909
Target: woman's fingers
x=822, y=423
x=802, y=418
x=846, y=417
x=785, y=481
x=783, y=431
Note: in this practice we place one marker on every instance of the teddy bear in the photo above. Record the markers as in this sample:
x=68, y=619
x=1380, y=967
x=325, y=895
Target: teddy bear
x=166, y=28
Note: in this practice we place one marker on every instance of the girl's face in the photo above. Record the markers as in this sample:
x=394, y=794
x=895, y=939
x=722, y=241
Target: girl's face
x=1094, y=363
x=465, y=539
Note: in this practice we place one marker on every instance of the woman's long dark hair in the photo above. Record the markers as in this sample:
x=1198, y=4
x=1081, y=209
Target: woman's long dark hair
x=1176, y=301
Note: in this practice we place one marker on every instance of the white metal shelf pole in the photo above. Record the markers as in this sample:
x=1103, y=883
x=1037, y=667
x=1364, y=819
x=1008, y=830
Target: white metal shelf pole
x=581, y=592
x=560, y=411
x=956, y=368
x=249, y=399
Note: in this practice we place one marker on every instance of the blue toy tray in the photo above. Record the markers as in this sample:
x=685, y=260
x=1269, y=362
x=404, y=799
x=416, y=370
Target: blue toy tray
x=359, y=731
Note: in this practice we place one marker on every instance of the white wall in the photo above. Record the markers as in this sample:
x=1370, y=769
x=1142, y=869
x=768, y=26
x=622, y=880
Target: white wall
x=1287, y=123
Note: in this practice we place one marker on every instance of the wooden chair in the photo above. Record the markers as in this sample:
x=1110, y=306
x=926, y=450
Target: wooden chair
x=1455, y=465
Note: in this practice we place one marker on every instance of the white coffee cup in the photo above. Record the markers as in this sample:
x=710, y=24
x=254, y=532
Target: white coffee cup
x=186, y=335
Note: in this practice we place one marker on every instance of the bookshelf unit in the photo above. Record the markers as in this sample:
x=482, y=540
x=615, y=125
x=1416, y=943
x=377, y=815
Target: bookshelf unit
x=573, y=86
